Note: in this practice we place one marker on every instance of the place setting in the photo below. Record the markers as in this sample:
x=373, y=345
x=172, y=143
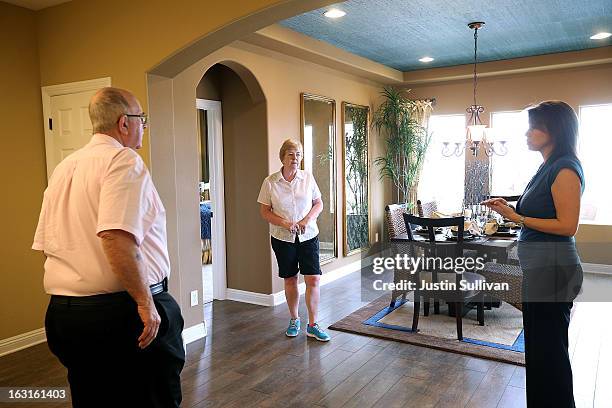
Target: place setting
x=480, y=223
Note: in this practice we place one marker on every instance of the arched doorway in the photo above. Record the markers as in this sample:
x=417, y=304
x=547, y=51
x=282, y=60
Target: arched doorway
x=176, y=168
x=233, y=151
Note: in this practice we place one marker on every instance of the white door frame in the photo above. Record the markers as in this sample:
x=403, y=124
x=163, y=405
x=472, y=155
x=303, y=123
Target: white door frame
x=63, y=89
x=217, y=193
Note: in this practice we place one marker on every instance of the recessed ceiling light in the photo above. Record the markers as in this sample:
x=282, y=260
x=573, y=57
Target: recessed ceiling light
x=426, y=59
x=334, y=13
x=600, y=36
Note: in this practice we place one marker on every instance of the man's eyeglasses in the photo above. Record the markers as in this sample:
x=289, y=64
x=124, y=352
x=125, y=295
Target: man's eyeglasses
x=143, y=117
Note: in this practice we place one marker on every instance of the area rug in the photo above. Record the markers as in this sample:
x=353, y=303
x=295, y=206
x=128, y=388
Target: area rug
x=501, y=339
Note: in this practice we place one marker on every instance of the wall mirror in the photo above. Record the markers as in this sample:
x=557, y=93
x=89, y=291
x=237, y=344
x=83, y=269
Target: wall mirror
x=318, y=137
x=356, y=193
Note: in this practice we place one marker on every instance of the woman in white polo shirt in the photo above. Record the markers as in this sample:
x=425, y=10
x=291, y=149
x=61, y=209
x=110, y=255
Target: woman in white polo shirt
x=291, y=202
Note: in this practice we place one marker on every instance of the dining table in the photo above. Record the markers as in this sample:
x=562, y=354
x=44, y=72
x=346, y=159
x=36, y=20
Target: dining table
x=500, y=249
x=493, y=248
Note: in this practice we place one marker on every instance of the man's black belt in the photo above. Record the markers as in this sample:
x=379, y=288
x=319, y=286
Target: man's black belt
x=159, y=287
x=105, y=298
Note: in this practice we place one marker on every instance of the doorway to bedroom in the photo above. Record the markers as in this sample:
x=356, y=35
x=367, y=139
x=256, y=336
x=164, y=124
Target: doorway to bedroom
x=232, y=125
x=209, y=129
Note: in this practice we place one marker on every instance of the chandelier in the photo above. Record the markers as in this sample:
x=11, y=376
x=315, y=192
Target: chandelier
x=477, y=136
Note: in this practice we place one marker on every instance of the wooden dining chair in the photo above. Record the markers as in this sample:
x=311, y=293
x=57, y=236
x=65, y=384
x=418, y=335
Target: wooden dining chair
x=456, y=299
x=508, y=274
x=394, y=220
x=508, y=198
x=396, y=226
x=427, y=208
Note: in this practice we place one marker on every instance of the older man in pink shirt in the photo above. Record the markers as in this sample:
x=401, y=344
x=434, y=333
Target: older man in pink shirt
x=102, y=228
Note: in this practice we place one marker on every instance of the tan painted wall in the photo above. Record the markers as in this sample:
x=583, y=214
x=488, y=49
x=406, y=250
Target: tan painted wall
x=245, y=146
x=210, y=86
x=90, y=39
x=79, y=40
x=282, y=79
x=576, y=86
x=22, y=173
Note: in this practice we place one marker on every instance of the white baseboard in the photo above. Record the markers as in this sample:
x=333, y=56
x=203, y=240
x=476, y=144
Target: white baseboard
x=194, y=333
x=248, y=297
x=22, y=341
x=278, y=298
x=599, y=269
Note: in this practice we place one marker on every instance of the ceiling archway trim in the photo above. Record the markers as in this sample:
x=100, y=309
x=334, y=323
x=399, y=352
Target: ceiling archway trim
x=210, y=42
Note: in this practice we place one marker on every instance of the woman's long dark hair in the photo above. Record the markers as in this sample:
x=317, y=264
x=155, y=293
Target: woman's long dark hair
x=560, y=121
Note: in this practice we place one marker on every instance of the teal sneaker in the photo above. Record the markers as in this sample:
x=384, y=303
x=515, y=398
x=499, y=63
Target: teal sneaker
x=294, y=328
x=317, y=332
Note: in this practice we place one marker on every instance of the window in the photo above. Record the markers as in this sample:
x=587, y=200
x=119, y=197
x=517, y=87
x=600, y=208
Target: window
x=442, y=178
x=511, y=173
x=594, y=147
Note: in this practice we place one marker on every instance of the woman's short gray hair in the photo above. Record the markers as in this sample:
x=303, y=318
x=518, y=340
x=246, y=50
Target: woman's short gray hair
x=106, y=107
x=290, y=144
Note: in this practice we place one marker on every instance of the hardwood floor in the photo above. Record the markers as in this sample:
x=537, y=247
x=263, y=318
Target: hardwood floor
x=246, y=361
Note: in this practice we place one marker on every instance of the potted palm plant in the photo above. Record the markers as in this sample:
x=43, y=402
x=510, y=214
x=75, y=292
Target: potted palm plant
x=406, y=143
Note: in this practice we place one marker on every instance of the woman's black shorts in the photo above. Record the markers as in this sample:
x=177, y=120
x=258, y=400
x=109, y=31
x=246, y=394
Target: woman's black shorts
x=297, y=256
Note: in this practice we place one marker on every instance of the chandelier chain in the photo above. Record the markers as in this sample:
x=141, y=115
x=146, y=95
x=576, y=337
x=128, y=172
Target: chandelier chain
x=475, y=61
x=478, y=136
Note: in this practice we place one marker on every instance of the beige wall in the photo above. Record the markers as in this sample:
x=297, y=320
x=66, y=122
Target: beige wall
x=86, y=39
x=245, y=149
x=22, y=173
x=79, y=40
x=576, y=86
x=210, y=85
x=282, y=79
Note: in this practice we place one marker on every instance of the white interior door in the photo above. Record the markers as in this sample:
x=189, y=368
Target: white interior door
x=70, y=126
x=66, y=117
x=217, y=193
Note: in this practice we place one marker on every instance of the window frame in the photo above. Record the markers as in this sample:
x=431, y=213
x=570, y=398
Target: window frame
x=580, y=141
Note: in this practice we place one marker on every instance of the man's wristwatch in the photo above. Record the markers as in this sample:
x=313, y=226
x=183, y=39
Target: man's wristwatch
x=521, y=221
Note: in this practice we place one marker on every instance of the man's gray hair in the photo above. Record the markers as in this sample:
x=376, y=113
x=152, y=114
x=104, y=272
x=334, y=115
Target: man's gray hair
x=105, y=108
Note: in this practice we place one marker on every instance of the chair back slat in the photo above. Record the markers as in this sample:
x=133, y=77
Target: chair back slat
x=431, y=224
x=394, y=220
x=426, y=209
x=434, y=222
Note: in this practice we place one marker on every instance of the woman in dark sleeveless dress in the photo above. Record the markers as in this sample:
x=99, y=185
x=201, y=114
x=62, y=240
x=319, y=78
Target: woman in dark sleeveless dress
x=548, y=211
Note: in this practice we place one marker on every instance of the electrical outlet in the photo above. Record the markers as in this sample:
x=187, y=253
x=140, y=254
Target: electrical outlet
x=194, y=298
x=376, y=237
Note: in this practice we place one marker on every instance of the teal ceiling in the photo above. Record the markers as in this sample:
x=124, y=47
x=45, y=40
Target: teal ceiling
x=397, y=33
